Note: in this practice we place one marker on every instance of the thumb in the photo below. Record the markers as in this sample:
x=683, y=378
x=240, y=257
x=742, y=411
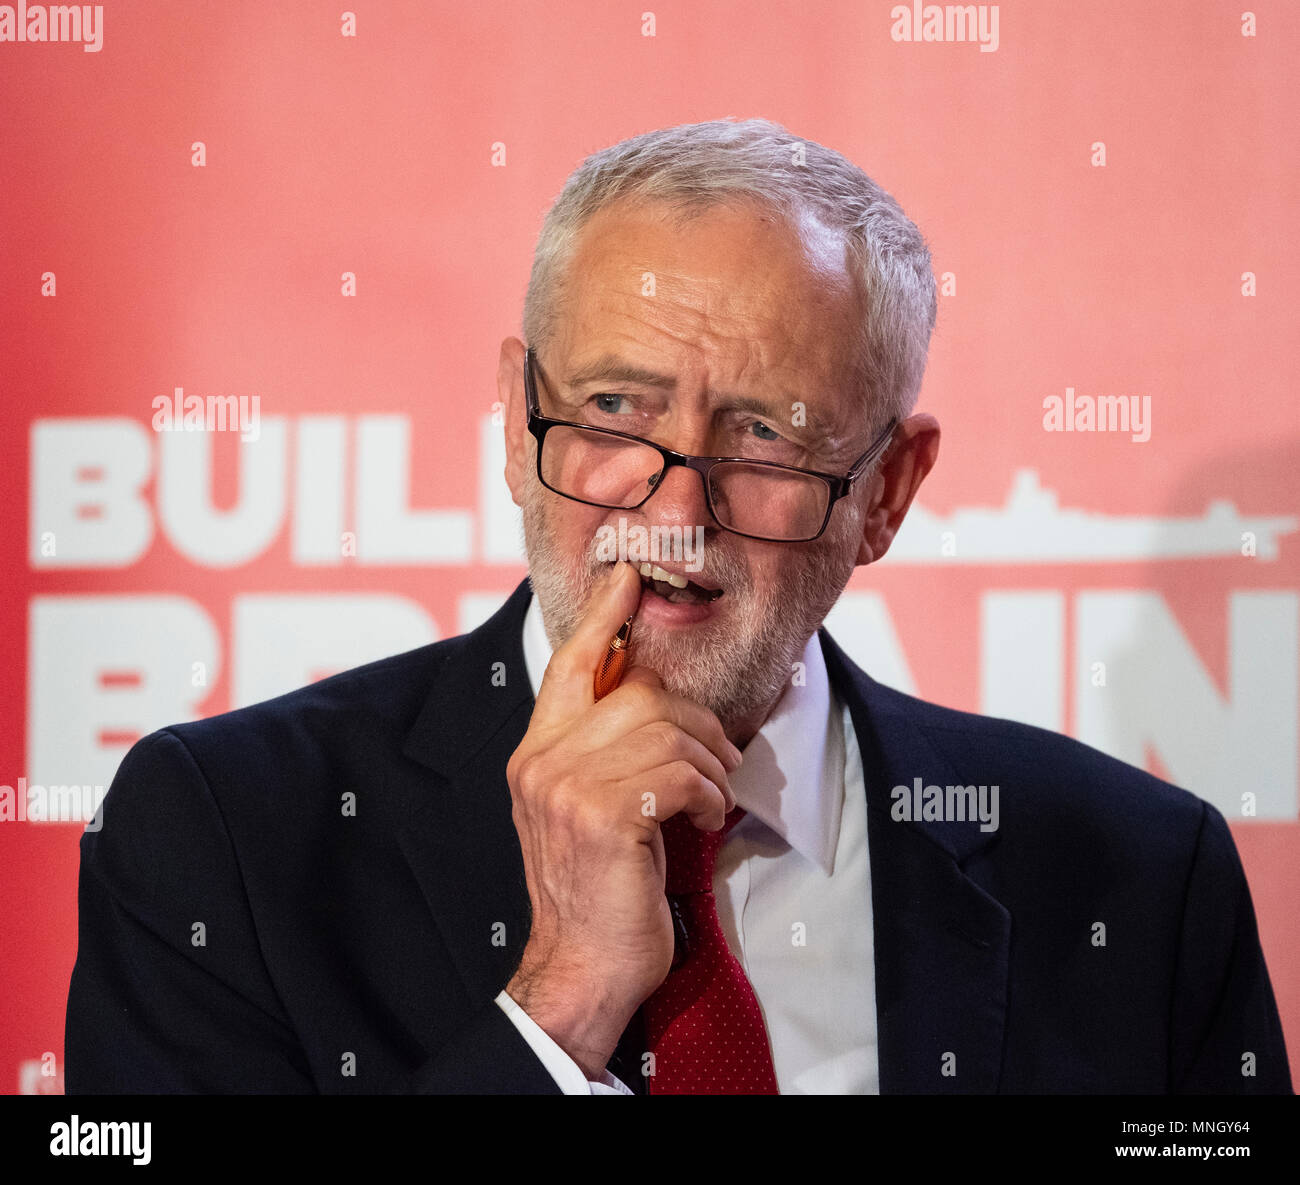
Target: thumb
x=640, y=674
x=567, y=684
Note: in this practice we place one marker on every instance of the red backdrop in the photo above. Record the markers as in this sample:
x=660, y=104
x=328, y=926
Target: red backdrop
x=336, y=214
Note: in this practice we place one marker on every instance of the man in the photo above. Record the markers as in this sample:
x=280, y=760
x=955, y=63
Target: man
x=418, y=876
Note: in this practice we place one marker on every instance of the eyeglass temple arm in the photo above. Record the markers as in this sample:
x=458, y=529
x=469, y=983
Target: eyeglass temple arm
x=878, y=446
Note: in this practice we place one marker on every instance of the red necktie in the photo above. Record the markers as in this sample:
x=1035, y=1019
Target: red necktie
x=703, y=1024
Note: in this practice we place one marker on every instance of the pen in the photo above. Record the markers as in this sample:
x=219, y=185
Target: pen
x=609, y=672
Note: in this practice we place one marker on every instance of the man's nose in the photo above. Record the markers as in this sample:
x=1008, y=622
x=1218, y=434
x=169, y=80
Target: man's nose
x=679, y=500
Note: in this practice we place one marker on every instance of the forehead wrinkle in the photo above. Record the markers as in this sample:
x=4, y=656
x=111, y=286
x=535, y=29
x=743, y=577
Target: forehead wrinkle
x=693, y=301
x=771, y=317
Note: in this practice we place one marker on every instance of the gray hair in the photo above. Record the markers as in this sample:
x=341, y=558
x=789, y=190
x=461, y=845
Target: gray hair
x=698, y=165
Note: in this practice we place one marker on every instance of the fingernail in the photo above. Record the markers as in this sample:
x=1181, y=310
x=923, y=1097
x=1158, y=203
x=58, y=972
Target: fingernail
x=736, y=756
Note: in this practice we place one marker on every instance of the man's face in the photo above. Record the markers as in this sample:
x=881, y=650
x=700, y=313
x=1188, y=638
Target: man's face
x=749, y=326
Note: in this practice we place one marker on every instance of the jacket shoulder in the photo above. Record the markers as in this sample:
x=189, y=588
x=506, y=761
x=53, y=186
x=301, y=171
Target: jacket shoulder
x=386, y=693
x=1045, y=773
x=276, y=756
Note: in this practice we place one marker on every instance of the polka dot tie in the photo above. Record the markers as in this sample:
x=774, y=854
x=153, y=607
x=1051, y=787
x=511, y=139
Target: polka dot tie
x=703, y=1025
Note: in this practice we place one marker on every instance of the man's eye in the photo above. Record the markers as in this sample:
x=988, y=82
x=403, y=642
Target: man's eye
x=763, y=432
x=608, y=403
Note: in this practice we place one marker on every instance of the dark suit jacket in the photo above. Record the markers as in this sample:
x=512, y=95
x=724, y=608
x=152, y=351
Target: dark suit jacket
x=324, y=892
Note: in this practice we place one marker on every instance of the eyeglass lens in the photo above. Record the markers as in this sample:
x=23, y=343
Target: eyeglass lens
x=751, y=499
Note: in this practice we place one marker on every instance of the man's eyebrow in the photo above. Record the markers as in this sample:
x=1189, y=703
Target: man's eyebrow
x=812, y=420
x=612, y=369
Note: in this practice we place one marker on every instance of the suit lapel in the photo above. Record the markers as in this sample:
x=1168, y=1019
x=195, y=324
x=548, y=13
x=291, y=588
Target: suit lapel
x=941, y=942
x=459, y=837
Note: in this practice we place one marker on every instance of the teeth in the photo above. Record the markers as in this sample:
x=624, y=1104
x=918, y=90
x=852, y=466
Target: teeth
x=657, y=573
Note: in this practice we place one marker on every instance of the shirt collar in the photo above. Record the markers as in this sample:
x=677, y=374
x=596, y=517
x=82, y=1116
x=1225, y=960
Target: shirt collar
x=792, y=778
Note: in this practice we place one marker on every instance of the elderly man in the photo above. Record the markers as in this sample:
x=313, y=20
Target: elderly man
x=417, y=876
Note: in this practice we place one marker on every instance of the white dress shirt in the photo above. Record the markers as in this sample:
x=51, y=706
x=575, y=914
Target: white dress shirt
x=793, y=889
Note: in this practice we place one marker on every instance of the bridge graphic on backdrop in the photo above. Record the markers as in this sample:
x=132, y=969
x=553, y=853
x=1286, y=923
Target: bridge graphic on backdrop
x=1032, y=527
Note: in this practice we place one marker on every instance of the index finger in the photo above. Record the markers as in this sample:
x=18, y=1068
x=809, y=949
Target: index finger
x=567, y=684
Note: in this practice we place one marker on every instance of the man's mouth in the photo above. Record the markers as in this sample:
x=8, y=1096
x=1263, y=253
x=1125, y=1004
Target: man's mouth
x=676, y=588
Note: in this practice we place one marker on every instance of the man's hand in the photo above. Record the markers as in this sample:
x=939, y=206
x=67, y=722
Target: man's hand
x=591, y=782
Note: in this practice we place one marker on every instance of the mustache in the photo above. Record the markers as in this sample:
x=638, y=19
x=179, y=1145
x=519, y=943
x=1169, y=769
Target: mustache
x=722, y=569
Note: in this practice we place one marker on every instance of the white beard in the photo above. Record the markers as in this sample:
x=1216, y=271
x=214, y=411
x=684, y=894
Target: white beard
x=739, y=662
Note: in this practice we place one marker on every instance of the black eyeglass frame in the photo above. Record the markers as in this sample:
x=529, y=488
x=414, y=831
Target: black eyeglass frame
x=839, y=485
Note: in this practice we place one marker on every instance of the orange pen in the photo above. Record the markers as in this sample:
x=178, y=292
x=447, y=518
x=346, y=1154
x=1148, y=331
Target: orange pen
x=609, y=672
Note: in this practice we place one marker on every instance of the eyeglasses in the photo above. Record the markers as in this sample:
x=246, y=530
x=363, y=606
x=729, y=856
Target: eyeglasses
x=756, y=499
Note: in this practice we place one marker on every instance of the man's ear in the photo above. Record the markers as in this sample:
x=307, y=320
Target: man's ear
x=510, y=391
x=910, y=456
